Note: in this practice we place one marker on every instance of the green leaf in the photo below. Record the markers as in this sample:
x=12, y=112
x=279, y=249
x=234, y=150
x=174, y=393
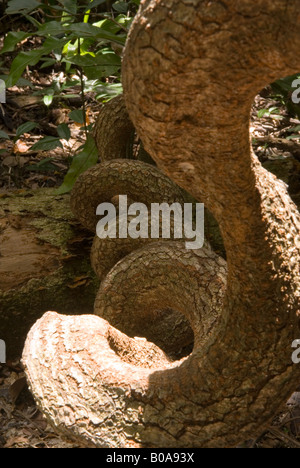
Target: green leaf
x=77, y=116
x=78, y=30
x=33, y=21
x=48, y=99
x=262, y=112
x=108, y=91
x=88, y=30
x=22, y=83
x=30, y=58
x=21, y=6
x=3, y=135
x=94, y=4
x=82, y=161
x=124, y=20
x=12, y=39
x=46, y=165
x=110, y=59
x=64, y=131
x=294, y=129
x=70, y=6
x=46, y=144
x=70, y=47
x=284, y=85
x=276, y=117
x=53, y=28
x=101, y=71
x=120, y=7
x=19, y=64
x=108, y=25
x=293, y=137
x=25, y=128
x=273, y=110
x=48, y=63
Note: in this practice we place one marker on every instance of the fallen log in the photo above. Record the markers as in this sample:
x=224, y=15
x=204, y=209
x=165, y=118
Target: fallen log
x=44, y=263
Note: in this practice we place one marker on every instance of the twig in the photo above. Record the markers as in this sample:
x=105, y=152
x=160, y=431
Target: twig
x=82, y=94
x=296, y=418
x=28, y=419
x=284, y=437
x=255, y=441
x=281, y=143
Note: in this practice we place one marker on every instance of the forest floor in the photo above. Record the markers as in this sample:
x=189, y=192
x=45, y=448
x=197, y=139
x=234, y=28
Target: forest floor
x=22, y=425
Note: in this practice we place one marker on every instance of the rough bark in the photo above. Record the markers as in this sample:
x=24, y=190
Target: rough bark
x=113, y=132
x=148, y=294
x=139, y=181
x=43, y=263
x=144, y=183
x=191, y=71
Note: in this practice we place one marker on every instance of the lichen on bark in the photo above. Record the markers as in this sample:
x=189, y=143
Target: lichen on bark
x=43, y=264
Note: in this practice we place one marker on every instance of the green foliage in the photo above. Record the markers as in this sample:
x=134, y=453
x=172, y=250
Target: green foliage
x=21, y=6
x=86, y=158
x=47, y=143
x=46, y=165
x=12, y=39
x=83, y=43
x=3, y=135
x=77, y=44
x=64, y=131
x=24, y=128
x=289, y=90
x=294, y=136
x=272, y=112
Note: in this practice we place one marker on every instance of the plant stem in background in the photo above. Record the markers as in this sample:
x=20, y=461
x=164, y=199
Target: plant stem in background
x=82, y=94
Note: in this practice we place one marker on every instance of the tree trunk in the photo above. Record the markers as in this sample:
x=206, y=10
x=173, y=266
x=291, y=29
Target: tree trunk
x=44, y=263
x=191, y=72
x=114, y=132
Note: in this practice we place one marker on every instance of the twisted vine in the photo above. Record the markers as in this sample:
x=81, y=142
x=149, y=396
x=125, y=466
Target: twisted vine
x=86, y=375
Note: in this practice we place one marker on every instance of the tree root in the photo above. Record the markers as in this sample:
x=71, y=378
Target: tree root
x=210, y=59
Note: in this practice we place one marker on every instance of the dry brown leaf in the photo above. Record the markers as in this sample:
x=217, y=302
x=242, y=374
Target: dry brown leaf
x=19, y=440
x=16, y=388
x=20, y=147
x=10, y=161
x=79, y=281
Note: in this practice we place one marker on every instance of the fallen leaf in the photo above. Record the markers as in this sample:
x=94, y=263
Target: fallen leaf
x=16, y=388
x=80, y=281
x=12, y=441
x=20, y=147
x=10, y=161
